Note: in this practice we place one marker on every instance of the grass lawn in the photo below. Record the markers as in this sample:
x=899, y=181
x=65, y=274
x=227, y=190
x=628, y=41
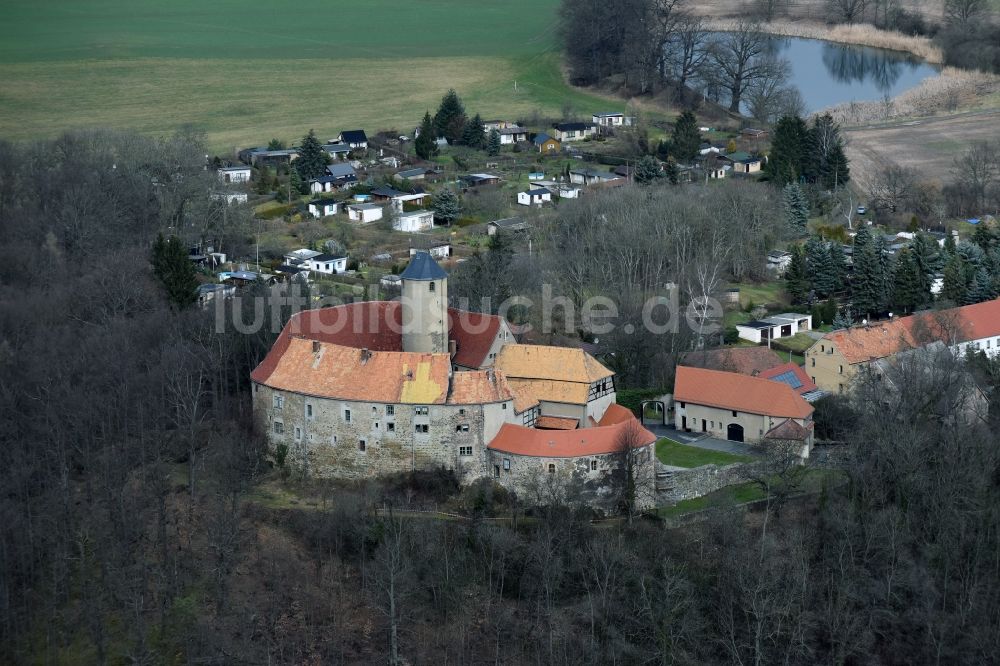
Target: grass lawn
x=797, y=343
x=248, y=72
x=676, y=454
x=768, y=293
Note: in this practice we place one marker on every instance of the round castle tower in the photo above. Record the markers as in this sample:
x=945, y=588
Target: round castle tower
x=425, y=306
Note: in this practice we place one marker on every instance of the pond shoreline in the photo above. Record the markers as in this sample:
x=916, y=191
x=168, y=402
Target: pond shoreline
x=861, y=34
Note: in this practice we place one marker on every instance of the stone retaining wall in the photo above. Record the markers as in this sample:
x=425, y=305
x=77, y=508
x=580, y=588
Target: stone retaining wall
x=675, y=484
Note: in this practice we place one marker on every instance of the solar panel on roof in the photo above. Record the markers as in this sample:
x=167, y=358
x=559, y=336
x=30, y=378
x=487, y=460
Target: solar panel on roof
x=789, y=378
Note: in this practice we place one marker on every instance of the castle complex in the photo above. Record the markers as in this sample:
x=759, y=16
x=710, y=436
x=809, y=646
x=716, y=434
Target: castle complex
x=379, y=387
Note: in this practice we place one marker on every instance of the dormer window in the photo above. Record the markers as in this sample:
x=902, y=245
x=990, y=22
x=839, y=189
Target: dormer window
x=431, y=286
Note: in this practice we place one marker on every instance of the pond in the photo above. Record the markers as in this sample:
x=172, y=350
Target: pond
x=827, y=74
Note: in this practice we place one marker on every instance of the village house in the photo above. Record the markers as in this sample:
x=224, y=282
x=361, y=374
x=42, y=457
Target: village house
x=741, y=408
x=612, y=120
x=265, y=157
x=512, y=135
x=573, y=131
x=835, y=360
x=337, y=150
x=546, y=144
x=300, y=256
x=588, y=176
x=743, y=360
x=364, y=212
x=235, y=174
x=210, y=292
x=356, y=139
x=497, y=125
x=328, y=264
x=417, y=173
x=777, y=326
x=507, y=225
x=414, y=221
x=778, y=261
x=742, y=163
x=535, y=197
x=322, y=207
x=437, y=248
x=480, y=179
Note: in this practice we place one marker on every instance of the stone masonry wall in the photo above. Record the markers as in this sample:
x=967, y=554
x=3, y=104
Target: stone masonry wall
x=675, y=484
x=327, y=444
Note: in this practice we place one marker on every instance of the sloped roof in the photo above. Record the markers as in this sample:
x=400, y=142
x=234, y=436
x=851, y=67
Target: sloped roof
x=741, y=393
x=423, y=267
x=564, y=364
x=603, y=439
x=340, y=169
x=473, y=333
x=788, y=429
x=478, y=387
x=792, y=374
x=347, y=373
x=542, y=138
x=556, y=423
x=354, y=136
x=571, y=393
x=744, y=360
x=572, y=127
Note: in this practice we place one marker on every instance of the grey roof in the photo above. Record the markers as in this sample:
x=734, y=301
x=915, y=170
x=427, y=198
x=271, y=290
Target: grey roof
x=235, y=168
x=412, y=172
x=323, y=202
x=385, y=191
x=340, y=170
x=513, y=130
x=538, y=190
x=541, y=138
x=423, y=267
x=293, y=270
x=328, y=257
x=337, y=148
x=354, y=136
x=572, y=127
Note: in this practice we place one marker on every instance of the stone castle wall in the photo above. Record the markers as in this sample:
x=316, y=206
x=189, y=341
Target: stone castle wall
x=674, y=484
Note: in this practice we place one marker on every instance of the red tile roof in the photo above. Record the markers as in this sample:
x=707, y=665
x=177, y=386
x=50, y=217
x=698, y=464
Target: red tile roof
x=744, y=360
x=880, y=339
x=556, y=423
x=523, y=441
x=806, y=383
x=473, y=334
x=474, y=387
x=789, y=429
x=729, y=390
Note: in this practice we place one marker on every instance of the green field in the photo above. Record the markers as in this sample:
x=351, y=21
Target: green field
x=676, y=454
x=246, y=71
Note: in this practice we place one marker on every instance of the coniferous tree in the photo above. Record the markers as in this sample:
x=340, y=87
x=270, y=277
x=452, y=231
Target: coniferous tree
x=956, y=284
x=175, y=271
x=449, y=121
x=796, y=208
x=981, y=288
x=312, y=159
x=928, y=261
x=821, y=274
x=785, y=164
x=843, y=318
x=796, y=276
x=493, y=144
x=949, y=246
x=424, y=144
x=647, y=170
x=838, y=265
x=906, y=296
x=671, y=171
x=866, y=282
x=685, y=140
x=826, y=163
x=446, y=206
x=474, y=134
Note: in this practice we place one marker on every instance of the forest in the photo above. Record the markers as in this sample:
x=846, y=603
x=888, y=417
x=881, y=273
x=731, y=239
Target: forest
x=133, y=528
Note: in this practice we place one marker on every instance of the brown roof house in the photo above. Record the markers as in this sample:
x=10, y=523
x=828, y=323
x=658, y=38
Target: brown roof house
x=741, y=408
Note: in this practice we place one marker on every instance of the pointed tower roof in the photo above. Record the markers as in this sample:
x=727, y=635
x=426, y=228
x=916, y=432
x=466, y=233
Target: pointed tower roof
x=423, y=267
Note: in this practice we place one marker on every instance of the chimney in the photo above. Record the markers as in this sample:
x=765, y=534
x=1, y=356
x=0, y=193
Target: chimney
x=316, y=346
x=365, y=355
x=452, y=348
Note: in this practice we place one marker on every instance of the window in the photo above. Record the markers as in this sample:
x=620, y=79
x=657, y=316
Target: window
x=593, y=465
x=813, y=361
x=298, y=433
x=278, y=400
x=279, y=428
x=309, y=411
x=465, y=451
x=390, y=427
x=430, y=286
x=374, y=409
x=505, y=405
x=552, y=468
x=420, y=411
x=361, y=445
x=421, y=427
x=682, y=405
x=390, y=410
x=711, y=424
x=256, y=388
x=462, y=427
x=376, y=425
x=506, y=464
x=347, y=415
x=461, y=412
x=841, y=369
x=734, y=413
x=822, y=348
x=333, y=440
x=496, y=471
